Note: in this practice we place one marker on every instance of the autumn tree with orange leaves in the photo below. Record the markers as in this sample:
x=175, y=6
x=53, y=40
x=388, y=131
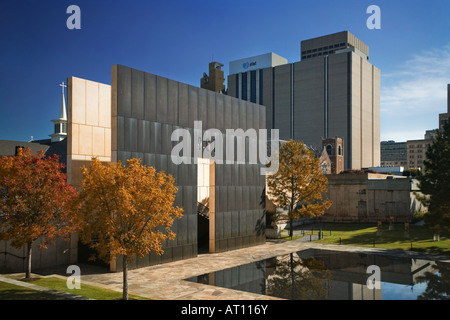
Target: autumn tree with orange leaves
x=35, y=201
x=299, y=185
x=128, y=210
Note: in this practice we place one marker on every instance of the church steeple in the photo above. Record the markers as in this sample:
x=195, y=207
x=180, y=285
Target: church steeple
x=60, y=124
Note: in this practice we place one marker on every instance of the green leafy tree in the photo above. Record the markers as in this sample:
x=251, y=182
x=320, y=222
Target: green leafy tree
x=434, y=182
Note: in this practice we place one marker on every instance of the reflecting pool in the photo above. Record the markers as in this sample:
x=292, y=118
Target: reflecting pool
x=315, y=274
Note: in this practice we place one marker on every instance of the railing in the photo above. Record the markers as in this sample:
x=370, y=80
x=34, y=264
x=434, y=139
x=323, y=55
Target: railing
x=11, y=254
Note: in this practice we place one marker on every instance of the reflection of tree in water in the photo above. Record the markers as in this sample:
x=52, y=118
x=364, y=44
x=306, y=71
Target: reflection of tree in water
x=438, y=286
x=299, y=279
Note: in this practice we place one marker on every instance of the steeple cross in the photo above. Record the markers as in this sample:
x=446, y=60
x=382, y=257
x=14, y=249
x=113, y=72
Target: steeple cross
x=63, y=86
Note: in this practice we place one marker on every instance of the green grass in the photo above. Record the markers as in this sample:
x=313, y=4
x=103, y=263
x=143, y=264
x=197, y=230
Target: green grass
x=285, y=235
x=420, y=237
x=12, y=292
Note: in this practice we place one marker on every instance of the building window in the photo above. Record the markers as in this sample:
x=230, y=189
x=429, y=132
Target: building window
x=57, y=128
x=329, y=150
x=244, y=86
x=339, y=150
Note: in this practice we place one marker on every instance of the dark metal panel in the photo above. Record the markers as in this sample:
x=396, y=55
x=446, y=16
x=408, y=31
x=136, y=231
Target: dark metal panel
x=167, y=255
x=161, y=162
x=219, y=112
x=183, y=107
x=123, y=91
x=182, y=174
x=166, y=143
x=255, y=117
x=140, y=136
x=150, y=97
x=231, y=190
x=234, y=224
x=138, y=155
x=242, y=115
x=172, y=169
x=154, y=258
x=219, y=175
x=222, y=194
x=146, y=136
x=246, y=201
x=227, y=174
x=238, y=198
x=192, y=228
x=227, y=113
x=239, y=243
x=219, y=199
x=182, y=235
x=161, y=99
x=123, y=156
x=137, y=94
x=179, y=197
x=202, y=106
x=219, y=225
x=235, y=104
x=262, y=118
x=150, y=159
x=157, y=134
x=177, y=253
x=120, y=133
x=188, y=200
x=188, y=252
x=193, y=105
x=172, y=103
x=211, y=111
x=250, y=115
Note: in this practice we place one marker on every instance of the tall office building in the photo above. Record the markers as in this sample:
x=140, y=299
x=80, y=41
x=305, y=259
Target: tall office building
x=393, y=154
x=334, y=91
x=443, y=117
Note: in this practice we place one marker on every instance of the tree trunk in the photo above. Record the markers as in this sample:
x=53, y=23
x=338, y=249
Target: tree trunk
x=28, y=267
x=125, y=277
x=291, y=227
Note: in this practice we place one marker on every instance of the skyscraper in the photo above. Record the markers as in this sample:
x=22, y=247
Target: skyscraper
x=334, y=91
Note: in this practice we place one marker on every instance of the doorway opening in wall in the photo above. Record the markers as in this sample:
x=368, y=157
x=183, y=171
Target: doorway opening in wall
x=204, y=205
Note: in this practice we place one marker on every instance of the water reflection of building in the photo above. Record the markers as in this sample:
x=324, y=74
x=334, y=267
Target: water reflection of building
x=350, y=275
x=321, y=275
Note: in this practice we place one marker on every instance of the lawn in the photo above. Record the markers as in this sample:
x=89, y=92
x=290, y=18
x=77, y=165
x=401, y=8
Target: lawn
x=420, y=237
x=12, y=292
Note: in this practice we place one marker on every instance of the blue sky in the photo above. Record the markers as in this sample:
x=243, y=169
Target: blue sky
x=177, y=39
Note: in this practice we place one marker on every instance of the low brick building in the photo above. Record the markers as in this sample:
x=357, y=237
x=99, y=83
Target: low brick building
x=370, y=197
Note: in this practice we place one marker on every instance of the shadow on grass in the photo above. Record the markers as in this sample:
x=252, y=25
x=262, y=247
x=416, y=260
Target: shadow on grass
x=26, y=294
